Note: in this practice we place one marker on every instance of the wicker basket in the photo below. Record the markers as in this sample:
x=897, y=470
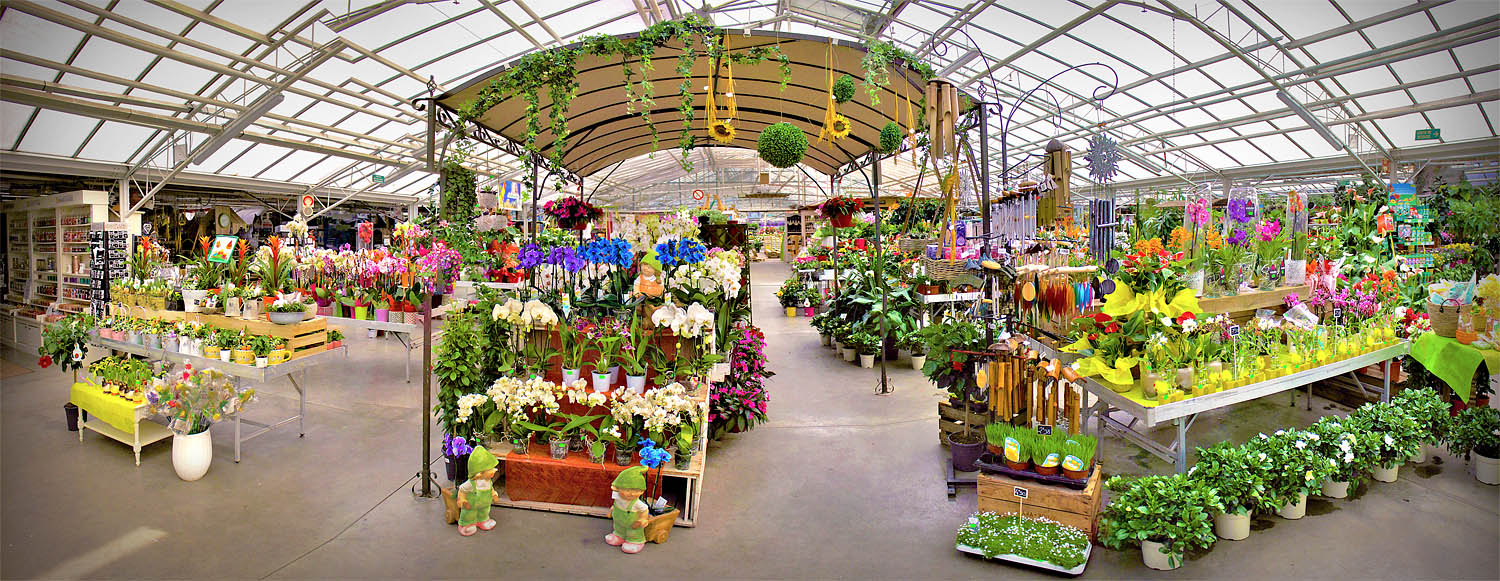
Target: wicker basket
x=1444, y=319
x=913, y=246
x=944, y=268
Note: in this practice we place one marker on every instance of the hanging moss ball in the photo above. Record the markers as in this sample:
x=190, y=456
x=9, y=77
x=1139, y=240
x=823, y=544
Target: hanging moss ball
x=843, y=89
x=890, y=137
x=782, y=145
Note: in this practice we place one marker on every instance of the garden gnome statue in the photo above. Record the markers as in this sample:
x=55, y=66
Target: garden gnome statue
x=477, y=493
x=629, y=513
x=649, y=282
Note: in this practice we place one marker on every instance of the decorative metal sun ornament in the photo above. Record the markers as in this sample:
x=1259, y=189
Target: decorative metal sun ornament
x=1104, y=158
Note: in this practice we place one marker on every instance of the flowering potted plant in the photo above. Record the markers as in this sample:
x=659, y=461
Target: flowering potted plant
x=1398, y=437
x=335, y=338
x=1476, y=434
x=1270, y=249
x=1166, y=515
x=1349, y=448
x=840, y=210
x=1296, y=469
x=738, y=402
x=288, y=309
x=1235, y=473
x=571, y=213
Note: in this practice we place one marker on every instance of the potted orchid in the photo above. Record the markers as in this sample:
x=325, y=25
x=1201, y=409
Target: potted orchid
x=1270, y=249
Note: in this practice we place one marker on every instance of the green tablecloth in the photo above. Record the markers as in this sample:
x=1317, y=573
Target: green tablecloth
x=113, y=409
x=1453, y=362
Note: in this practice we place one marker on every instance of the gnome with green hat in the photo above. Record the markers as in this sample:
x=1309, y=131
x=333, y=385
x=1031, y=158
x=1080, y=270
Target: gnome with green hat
x=649, y=283
x=477, y=493
x=629, y=513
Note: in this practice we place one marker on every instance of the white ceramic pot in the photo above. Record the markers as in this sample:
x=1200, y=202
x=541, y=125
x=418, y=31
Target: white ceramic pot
x=826, y=340
x=614, y=374
x=1294, y=511
x=636, y=384
x=867, y=361
x=1335, y=489
x=918, y=361
x=601, y=382
x=224, y=355
x=1384, y=474
x=1233, y=527
x=1155, y=559
x=192, y=300
x=262, y=361
x=569, y=376
x=1486, y=469
x=191, y=454
x=849, y=354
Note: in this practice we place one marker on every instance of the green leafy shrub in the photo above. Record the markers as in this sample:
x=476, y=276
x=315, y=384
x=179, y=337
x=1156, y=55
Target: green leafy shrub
x=1172, y=510
x=890, y=137
x=1477, y=430
x=843, y=89
x=782, y=145
x=1236, y=474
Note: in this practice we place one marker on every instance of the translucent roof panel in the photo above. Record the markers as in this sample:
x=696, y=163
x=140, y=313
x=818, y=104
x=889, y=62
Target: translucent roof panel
x=1187, y=106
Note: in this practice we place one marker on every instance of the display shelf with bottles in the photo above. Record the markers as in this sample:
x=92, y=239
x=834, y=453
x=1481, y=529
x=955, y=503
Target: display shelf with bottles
x=48, y=255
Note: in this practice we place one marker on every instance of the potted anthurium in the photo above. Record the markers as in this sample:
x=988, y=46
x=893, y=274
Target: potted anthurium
x=840, y=210
x=1351, y=450
x=1296, y=469
x=1398, y=437
x=1166, y=515
x=1476, y=434
x=1235, y=474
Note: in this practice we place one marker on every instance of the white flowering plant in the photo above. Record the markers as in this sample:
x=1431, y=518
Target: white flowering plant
x=1236, y=474
x=1172, y=510
x=1397, y=435
x=1352, y=449
x=1035, y=538
x=1296, y=467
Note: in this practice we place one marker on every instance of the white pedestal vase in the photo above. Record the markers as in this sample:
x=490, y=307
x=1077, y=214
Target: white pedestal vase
x=1296, y=510
x=1486, y=469
x=1384, y=474
x=1155, y=559
x=1335, y=489
x=191, y=454
x=1233, y=527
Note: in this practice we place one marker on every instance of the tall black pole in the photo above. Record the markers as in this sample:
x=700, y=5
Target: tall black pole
x=984, y=208
x=427, y=398
x=536, y=194
x=879, y=277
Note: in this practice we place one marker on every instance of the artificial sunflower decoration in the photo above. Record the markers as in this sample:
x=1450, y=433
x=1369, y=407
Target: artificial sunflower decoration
x=721, y=131
x=839, y=128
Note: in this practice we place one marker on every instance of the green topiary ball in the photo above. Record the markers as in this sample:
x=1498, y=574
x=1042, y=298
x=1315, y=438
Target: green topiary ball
x=890, y=137
x=782, y=145
x=843, y=89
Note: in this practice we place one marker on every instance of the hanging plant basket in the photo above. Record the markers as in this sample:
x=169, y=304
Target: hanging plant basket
x=782, y=145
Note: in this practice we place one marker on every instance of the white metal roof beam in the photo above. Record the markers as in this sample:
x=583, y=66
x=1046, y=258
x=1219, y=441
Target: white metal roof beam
x=1033, y=45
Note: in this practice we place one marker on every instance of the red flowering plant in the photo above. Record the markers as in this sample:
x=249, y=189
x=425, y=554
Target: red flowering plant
x=66, y=342
x=839, y=206
x=738, y=403
x=571, y=213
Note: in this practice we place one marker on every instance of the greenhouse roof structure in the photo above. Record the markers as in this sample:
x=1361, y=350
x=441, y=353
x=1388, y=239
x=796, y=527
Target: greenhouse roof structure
x=285, y=97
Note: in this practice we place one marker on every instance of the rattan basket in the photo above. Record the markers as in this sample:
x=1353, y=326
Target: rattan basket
x=944, y=268
x=913, y=246
x=1444, y=319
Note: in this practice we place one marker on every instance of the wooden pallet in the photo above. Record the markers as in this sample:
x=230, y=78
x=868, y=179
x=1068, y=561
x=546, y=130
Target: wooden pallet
x=1075, y=508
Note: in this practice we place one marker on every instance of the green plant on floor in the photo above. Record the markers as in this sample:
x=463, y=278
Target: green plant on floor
x=1235, y=473
x=1172, y=510
x=1398, y=436
x=458, y=368
x=1350, y=449
x=1428, y=409
x=945, y=365
x=1032, y=538
x=1476, y=430
x=1296, y=468
x=864, y=342
x=790, y=293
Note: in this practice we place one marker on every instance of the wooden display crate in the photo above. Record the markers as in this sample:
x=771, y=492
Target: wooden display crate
x=951, y=420
x=1075, y=508
x=302, y=339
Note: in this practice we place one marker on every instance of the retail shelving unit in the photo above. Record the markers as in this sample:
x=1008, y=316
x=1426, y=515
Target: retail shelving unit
x=48, y=260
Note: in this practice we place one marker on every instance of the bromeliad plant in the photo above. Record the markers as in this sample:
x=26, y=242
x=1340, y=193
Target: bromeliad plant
x=1174, y=510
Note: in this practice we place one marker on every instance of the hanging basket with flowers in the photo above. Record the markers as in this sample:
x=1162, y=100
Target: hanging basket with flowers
x=840, y=210
x=571, y=213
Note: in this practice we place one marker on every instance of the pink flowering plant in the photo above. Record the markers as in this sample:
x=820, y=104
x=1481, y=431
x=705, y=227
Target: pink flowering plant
x=738, y=402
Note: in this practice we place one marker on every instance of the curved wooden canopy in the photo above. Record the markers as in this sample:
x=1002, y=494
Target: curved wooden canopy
x=603, y=132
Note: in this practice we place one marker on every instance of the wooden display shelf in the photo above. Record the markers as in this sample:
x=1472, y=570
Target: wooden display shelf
x=1075, y=508
x=1251, y=300
x=306, y=338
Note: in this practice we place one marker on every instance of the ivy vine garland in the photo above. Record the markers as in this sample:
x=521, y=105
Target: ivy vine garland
x=877, y=62
x=782, y=145
x=843, y=89
x=458, y=197
x=890, y=137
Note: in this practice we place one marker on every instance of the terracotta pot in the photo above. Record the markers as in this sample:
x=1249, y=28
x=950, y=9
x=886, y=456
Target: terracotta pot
x=1015, y=465
x=844, y=221
x=1077, y=474
x=1046, y=470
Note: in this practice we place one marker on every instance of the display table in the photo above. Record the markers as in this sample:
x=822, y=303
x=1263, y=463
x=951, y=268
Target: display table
x=115, y=417
x=259, y=375
x=1148, y=414
x=402, y=332
x=1453, y=362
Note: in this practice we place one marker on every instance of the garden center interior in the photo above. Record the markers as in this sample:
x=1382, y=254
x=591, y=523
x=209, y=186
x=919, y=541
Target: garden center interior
x=548, y=290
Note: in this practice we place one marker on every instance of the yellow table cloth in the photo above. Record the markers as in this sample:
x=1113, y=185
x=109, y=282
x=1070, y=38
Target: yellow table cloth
x=113, y=409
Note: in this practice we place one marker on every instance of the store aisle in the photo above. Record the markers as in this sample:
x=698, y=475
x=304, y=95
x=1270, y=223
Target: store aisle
x=840, y=483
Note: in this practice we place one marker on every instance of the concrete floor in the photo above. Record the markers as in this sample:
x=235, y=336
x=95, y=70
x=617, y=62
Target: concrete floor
x=839, y=484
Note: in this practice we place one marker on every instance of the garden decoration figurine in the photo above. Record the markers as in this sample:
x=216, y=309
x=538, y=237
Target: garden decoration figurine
x=477, y=494
x=629, y=513
x=649, y=283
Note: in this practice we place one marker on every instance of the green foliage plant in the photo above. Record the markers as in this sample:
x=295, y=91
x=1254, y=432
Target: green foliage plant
x=1174, y=510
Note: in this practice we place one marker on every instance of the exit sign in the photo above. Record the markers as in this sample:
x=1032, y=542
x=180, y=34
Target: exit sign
x=1426, y=134
x=377, y=178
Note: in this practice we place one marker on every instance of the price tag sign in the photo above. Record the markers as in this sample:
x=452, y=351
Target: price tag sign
x=1044, y=430
x=1234, y=330
x=1019, y=491
x=1338, y=313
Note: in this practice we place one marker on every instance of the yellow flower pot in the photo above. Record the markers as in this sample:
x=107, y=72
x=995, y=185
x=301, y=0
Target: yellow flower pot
x=211, y=352
x=244, y=357
x=791, y=312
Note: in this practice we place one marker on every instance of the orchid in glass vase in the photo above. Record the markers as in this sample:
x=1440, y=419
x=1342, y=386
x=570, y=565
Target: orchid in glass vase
x=1270, y=249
